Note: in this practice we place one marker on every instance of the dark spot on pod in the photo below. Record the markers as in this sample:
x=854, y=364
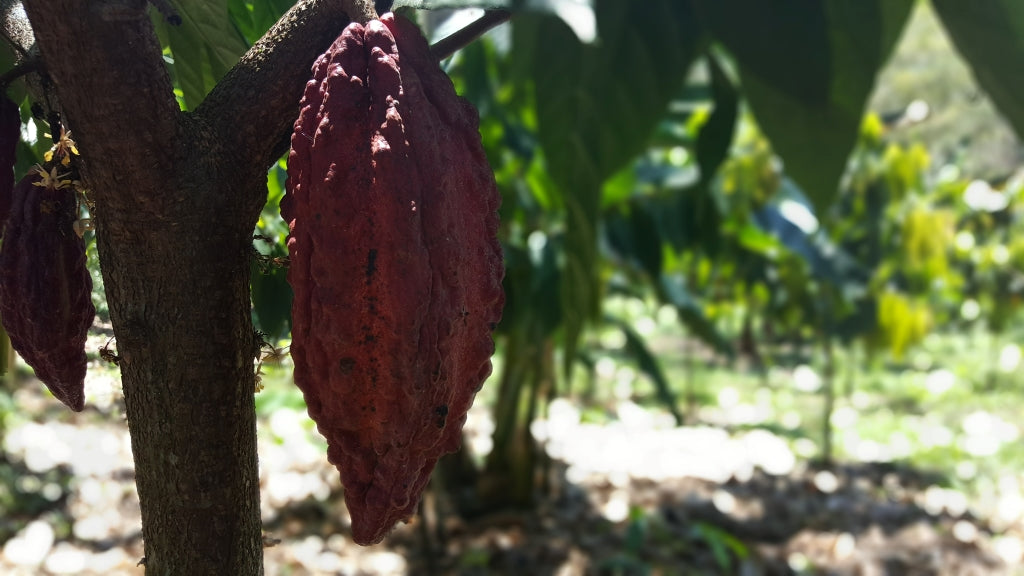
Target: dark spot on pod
x=371, y=264
x=346, y=365
x=441, y=415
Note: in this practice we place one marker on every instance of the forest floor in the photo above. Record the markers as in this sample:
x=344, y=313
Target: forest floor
x=632, y=494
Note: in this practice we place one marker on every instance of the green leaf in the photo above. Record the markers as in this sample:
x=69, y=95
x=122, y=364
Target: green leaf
x=531, y=285
x=716, y=134
x=597, y=107
x=633, y=234
x=619, y=188
x=756, y=240
x=770, y=41
x=241, y=16
x=271, y=293
x=211, y=23
x=694, y=219
x=276, y=178
x=193, y=77
x=205, y=46
x=990, y=36
x=807, y=68
x=646, y=239
x=648, y=363
x=17, y=89
x=27, y=156
x=721, y=544
x=272, y=302
x=672, y=290
x=265, y=13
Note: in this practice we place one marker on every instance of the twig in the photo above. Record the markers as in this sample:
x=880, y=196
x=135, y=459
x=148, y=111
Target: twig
x=110, y=356
x=448, y=46
x=19, y=70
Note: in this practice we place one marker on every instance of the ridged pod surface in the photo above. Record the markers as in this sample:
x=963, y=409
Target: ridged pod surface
x=10, y=134
x=45, y=288
x=395, y=265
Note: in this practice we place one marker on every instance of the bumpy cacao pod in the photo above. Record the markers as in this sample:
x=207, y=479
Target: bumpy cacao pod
x=45, y=287
x=395, y=265
x=10, y=133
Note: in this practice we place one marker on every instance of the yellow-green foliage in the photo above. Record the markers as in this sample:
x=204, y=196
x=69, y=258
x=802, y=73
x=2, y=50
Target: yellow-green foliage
x=1017, y=253
x=905, y=168
x=926, y=240
x=902, y=322
x=752, y=170
x=871, y=130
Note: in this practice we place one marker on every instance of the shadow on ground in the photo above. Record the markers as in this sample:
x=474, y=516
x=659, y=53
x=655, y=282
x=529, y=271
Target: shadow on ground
x=68, y=506
x=852, y=519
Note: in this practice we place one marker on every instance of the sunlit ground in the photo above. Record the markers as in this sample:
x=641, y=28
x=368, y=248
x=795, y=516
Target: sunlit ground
x=740, y=483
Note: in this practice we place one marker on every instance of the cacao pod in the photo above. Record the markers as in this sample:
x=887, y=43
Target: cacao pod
x=395, y=265
x=45, y=288
x=10, y=134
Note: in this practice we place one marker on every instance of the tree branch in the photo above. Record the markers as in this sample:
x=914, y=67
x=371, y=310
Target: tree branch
x=447, y=46
x=16, y=32
x=254, y=105
x=26, y=67
x=106, y=64
x=15, y=27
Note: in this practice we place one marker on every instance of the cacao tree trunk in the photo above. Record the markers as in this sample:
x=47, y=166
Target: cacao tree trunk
x=187, y=369
x=177, y=196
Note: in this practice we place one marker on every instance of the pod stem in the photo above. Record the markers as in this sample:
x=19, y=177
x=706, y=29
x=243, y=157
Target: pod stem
x=466, y=36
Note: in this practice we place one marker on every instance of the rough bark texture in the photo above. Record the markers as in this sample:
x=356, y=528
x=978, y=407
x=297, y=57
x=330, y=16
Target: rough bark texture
x=177, y=196
x=46, y=289
x=395, y=265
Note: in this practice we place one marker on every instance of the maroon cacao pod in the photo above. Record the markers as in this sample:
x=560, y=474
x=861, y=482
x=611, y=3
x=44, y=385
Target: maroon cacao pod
x=10, y=134
x=45, y=287
x=395, y=265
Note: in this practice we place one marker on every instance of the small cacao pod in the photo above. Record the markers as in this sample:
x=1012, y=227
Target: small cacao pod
x=395, y=265
x=45, y=288
x=10, y=134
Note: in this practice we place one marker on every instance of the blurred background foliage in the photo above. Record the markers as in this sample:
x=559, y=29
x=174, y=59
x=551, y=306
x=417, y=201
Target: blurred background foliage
x=749, y=180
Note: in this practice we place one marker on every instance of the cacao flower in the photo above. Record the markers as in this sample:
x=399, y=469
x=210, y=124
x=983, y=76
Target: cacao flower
x=394, y=262
x=45, y=288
